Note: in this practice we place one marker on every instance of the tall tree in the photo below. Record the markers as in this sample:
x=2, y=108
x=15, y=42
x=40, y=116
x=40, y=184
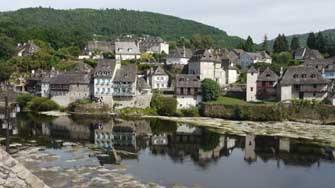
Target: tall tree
x=265, y=44
x=207, y=41
x=311, y=41
x=196, y=41
x=249, y=45
x=320, y=43
x=7, y=47
x=280, y=44
x=295, y=43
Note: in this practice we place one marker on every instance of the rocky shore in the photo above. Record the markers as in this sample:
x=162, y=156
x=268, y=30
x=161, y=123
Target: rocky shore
x=321, y=134
x=15, y=175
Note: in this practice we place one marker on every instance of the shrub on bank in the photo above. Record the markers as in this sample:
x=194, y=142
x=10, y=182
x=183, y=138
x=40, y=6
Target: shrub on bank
x=190, y=112
x=164, y=106
x=24, y=99
x=41, y=104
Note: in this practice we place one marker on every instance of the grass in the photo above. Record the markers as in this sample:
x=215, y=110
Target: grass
x=235, y=101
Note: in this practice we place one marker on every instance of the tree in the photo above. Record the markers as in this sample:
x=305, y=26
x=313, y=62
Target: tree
x=210, y=90
x=5, y=71
x=320, y=43
x=265, y=44
x=207, y=41
x=295, y=43
x=311, y=41
x=280, y=44
x=196, y=41
x=249, y=45
x=7, y=47
x=165, y=106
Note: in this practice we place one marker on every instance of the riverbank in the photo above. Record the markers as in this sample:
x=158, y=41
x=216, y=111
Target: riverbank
x=322, y=134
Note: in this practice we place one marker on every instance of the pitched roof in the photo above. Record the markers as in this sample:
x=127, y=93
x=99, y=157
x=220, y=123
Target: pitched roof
x=142, y=84
x=180, y=53
x=238, y=51
x=71, y=78
x=150, y=42
x=299, y=75
x=29, y=48
x=258, y=55
x=122, y=47
x=105, y=68
x=322, y=62
x=208, y=55
x=188, y=81
x=127, y=73
x=159, y=71
x=307, y=54
x=104, y=46
x=268, y=75
x=252, y=70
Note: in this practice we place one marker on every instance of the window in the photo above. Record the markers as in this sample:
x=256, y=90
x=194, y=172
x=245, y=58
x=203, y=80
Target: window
x=304, y=76
x=268, y=75
x=295, y=76
x=314, y=86
x=314, y=94
x=251, y=89
x=313, y=76
x=252, y=74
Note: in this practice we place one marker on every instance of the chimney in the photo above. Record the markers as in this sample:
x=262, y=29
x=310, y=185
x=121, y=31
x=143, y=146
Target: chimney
x=281, y=71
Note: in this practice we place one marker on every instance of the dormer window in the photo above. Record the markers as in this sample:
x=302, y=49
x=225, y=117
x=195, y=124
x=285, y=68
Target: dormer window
x=268, y=75
x=313, y=76
x=295, y=76
x=304, y=76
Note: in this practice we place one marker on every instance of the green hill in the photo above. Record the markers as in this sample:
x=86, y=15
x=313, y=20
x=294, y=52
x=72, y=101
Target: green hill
x=66, y=27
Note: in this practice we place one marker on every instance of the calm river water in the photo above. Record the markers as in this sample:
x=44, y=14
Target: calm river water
x=173, y=155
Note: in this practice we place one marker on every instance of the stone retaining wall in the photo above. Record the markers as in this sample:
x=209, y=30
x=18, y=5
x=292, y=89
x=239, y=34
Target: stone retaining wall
x=15, y=175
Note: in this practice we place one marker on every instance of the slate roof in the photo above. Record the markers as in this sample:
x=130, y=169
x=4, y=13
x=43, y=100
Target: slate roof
x=259, y=55
x=321, y=62
x=105, y=68
x=301, y=75
x=82, y=67
x=208, y=55
x=238, y=52
x=150, y=42
x=159, y=71
x=104, y=46
x=188, y=81
x=252, y=70
x=268, y=75
x=71, y=78
x=127, y=73
x=307, y=54
x=180, y=53
x=127, y=48
x=29, y=48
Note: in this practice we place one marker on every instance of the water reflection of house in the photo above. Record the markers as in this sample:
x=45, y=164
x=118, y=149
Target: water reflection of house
x=103, y=136
x=159, y=140
x=250, y=145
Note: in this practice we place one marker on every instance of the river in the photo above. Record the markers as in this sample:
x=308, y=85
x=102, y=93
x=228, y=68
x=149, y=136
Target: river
x=81, y=151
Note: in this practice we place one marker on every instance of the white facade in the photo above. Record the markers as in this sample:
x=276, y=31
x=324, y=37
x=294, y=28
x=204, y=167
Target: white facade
x=122, y=57
x=159, y=81
x=184, y=102
x=251, y=86
x=176, y=61
x=232, y=76
x=209, y=70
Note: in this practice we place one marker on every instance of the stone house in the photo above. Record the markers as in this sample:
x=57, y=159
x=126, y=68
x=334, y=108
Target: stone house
x=179, y=56
x=306, y=54
x=27, y=49
x=300, y=82
x=127, y=50
x=325, y=66
x=95, y=49
x=247, y=58
x=261, y=85
x=103, y=76
x=37, y=83
x=72, y=86
x=188, y=90
x=211, y=64
x=153, y=45
x=158, y=78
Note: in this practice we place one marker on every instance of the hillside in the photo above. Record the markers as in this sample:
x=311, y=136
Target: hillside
x=64, y=27
x=328, y=34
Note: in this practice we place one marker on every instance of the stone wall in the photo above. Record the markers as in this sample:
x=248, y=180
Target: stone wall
x=13, y=174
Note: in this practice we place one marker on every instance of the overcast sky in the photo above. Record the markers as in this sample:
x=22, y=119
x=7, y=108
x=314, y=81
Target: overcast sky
x=237, y=17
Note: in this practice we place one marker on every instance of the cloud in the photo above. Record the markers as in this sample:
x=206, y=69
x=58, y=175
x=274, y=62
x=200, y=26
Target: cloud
x=237, y=17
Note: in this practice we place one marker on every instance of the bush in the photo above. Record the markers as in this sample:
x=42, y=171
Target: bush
x=24, y=99
x=190, y=112
x=165, y=106
x=41, y=104
x=210, y=90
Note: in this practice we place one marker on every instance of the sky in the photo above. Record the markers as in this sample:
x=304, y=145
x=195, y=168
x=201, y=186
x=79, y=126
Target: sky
x=237, y=17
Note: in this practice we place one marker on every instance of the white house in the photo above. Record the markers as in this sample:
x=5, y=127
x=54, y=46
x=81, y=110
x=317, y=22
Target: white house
x=252, y=76
x=188, y=91
x=154, y=45
x=127, y=50
x=179, y=56
x=158, y=79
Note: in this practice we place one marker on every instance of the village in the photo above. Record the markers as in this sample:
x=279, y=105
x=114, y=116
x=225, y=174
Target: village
x=119, y=83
